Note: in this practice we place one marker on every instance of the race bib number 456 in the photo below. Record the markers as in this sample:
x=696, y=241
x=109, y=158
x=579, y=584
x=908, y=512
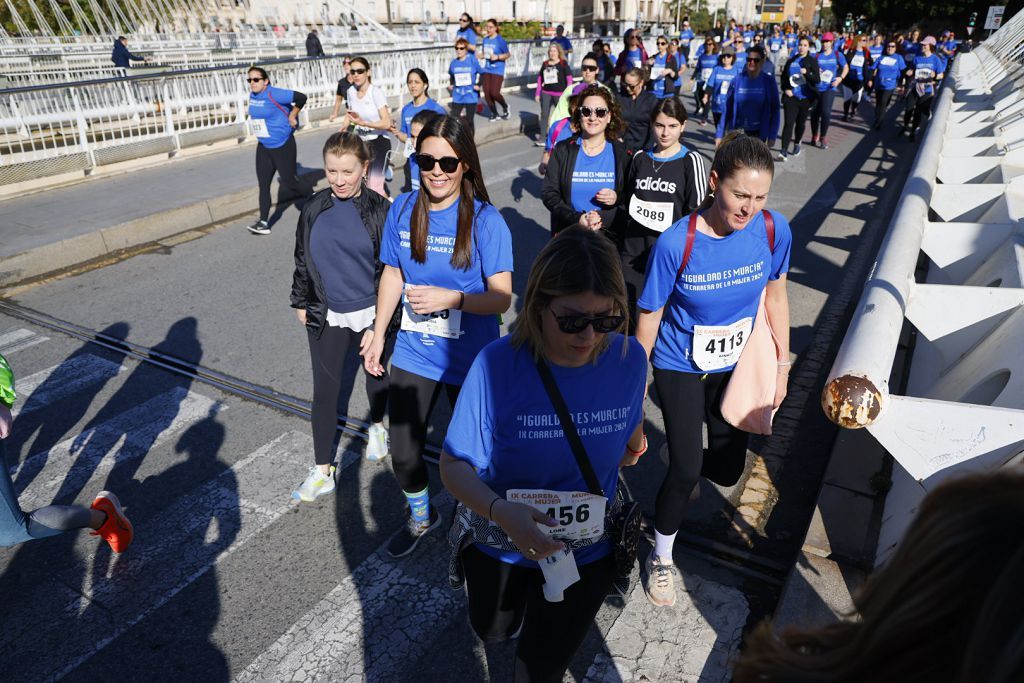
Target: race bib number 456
x=580, y=515
x=719, y=346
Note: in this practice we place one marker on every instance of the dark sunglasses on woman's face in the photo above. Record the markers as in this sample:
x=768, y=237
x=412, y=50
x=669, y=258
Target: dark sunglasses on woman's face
x=426, y=163
x=589, y=67
x=599, y=112
x=460, y=49
x=755, y=60
x=254, y=80
x=356, y=72
x=662, y=42
x=892, y=46
x=574, y=324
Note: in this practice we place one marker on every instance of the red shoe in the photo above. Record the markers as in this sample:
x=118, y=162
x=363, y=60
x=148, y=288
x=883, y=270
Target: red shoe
x=117, y=530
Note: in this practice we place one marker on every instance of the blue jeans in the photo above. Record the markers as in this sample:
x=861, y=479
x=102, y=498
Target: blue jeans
x=821, y=114
x=16, y=526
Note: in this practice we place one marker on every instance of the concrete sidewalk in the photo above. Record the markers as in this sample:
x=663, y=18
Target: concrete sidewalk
x=62, y=227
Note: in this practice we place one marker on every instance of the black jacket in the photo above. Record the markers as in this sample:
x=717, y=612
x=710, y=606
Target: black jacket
x=556, y=193
x=637, y=115
x=313, y=46
x=812, y=78
x=307, y=287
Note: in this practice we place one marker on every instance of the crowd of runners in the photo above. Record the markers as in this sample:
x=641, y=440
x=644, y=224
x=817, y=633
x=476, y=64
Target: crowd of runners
x=659, y=257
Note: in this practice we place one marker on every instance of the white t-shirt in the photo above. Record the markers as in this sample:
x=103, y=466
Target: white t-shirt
x=367, y=107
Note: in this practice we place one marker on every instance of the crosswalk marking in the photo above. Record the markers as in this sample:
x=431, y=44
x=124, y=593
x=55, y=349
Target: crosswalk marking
x=18, y=340
x=362, y=629
x=71, y=376
x=127, y=436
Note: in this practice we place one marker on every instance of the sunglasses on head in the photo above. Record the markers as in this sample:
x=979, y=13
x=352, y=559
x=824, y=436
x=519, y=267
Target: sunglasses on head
x=357, y=72
x=254, y=80
x=599, y=112
x=426, y=163
x=602, y=324
x=589, y=67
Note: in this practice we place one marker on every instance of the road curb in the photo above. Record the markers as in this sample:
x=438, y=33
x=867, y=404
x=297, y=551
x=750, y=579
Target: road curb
x=49, y=259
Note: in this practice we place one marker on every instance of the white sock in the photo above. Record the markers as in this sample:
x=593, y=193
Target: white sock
x=663, y=546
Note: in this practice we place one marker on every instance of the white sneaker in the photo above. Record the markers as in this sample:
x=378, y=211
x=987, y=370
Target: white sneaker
x=377, y=446
x=315, y=485
x=659, y=582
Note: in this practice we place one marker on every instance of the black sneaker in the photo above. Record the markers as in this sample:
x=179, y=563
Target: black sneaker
x=504, y=117
x=260, y=228
x=404, y=542
x=492, y=118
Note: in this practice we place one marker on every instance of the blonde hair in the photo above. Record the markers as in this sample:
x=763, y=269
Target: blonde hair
x=561, y=50
x=575, y=261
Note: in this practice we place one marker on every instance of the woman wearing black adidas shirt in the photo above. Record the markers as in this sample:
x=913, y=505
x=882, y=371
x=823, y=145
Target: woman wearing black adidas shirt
x=662, y=185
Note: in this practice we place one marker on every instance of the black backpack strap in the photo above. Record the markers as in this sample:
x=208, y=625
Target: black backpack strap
x=569, y=428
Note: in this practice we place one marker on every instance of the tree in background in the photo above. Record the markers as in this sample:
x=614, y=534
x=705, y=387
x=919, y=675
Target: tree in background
x=931, y=16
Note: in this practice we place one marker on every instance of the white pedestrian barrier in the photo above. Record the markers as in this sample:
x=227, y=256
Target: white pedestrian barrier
x=962, y=207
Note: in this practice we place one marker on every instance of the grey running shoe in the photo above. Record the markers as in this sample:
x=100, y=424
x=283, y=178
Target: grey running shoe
x=404, y=542
x=315, y=485
x=659, y=581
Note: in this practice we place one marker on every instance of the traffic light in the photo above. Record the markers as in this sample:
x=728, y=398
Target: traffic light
x=848, y=24
x=973, y=20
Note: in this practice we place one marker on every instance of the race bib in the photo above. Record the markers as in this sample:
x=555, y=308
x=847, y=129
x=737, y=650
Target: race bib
x=705, y=74
x=827, y=76
x=888, y=61
x=259, y=128
x=488, y=51
x=924, y=73
x=724, y=88
x=719, y=346
x=550, y=76
x=463, y=79
x=652, y=215
x=446, y=323
x=580, y=515
x=410, y=148
x=657, y=72
x=857, y=61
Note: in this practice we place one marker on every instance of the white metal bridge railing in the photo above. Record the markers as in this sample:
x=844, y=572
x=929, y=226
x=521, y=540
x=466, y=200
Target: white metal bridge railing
x=49, y=130
x=962, y=207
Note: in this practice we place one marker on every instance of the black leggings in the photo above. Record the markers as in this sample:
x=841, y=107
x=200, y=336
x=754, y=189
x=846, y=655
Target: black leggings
x=687, y=401
x=502, y=596
x=918, y=109
x=882, y=100
x=794, y=121
x=698, y=95
x=411, y=399
x=328, y=355
x=466, y=111
x=821, y=113
x=282, y=160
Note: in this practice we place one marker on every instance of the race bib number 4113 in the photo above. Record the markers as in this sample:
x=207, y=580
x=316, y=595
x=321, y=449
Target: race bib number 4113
x=719, y=346
x=580, y=515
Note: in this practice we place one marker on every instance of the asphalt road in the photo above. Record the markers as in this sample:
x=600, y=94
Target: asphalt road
x=228, y=580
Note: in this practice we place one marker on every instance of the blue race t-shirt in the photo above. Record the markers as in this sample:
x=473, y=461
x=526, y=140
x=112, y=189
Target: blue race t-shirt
x=469, y=34
x=564, y=42
x=721, y=284
x=705, y=65
x=791, y=41
x=876, y=51
x=434, y=357
x=887, y=71
x=634, y=59
x=505, y=426
x=494, y=46
x=464, y=72
x=273, y=106
x=718, y=86
x=858, y=63
x=410, y=110
x=775, y=43
x=750, y=94
x=660, y=61
x=797, y=79
x=591, y=174
x=685, y=37
x=830, y=66
x=926, y=69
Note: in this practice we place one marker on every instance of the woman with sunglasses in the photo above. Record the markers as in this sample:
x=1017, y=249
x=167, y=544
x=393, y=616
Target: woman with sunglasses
x=662, y=70
x=447, y=255
x=418, y=84
x=662, y=185
x=510, y=466
x=463, y=72
x=705, y=282
x=496, y=53
x=553, y=79
x=859, y=59
x=799, y=80
x=586, y=172
x=467, y=32
x=717, y=87
x=707, y=60
x=633, y=55
x=273, y=117
x=637, y=104
x=832, y=68
x=590, y=70
x=334, y=293
x=344, y=83
x=885, y=78
x=368, y=111
x=752, y=103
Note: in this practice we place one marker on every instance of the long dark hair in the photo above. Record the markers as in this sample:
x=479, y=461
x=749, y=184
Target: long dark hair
x=456, y=133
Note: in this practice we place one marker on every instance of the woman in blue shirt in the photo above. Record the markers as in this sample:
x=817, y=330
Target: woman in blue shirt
x=717, y=86
x=707, y=60
x=418, y=84
x=508, y=462
x=924, y=74
x=463, y=71
x=662, y=69
x=705, y=284
x=752, y=103
x=273, y=117
x=495, y=55
x=467, y=31
x=447, y=256
x=832, y=69
x=886, y=73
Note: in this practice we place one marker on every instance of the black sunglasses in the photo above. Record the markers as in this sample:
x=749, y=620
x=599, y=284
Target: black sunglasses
x=461, y=49
x=356, y=72
x=254, y=80
x=662, y=42
x=756, y=60
x=602, y=324
x=599, y=112
x=426, y=163
x=589, y=67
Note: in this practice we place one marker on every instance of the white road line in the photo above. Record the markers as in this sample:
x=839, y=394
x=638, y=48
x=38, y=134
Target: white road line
x=69, y=378
x=379, y=620
x=127, y=436
x=179, y=545
x=693, y=640
x=18, y=340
